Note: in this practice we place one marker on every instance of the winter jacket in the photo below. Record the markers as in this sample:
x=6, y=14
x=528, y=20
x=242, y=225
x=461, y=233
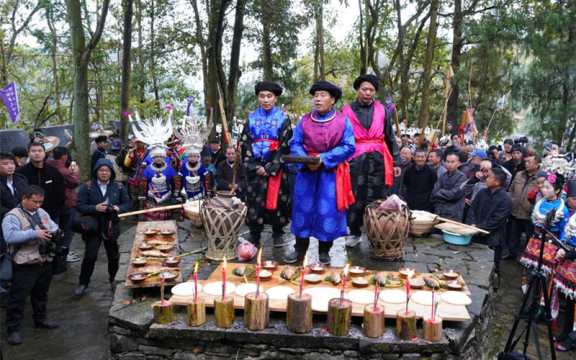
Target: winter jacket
x=51, y=181
x=489, y=211
x=418, y=185
x=521, y=186
x=447, y=196
x=71, y=181
x=89, y=197
x=514, y=169
x=9, y=201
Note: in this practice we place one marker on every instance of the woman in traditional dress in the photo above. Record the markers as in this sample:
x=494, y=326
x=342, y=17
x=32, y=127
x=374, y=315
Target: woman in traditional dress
x=159, y=179
x=565, y=281
x=192, y=170
x=319, y=204
x=551, y=191
x=264, y=138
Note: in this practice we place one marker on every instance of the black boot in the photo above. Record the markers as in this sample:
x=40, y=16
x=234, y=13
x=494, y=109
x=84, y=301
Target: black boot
x=299, y=251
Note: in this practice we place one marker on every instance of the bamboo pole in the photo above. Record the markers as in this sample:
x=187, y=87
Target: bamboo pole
x=339, y=317
x=256, y=312
x=163, y=312
x=432, y=329
x=299, y=313
x=196, y=312
x=406, y=324
x=373, y=325
x=463, y=225
x=170, y=207
x=224, y=312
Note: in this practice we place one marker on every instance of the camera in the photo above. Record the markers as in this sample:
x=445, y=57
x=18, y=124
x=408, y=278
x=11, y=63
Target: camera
x=53, y=246
x=110, y=209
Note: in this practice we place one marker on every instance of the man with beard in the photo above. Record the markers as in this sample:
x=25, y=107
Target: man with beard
x=372, y=165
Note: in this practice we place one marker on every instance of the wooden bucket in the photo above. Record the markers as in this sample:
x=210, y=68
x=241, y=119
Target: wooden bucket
x=222, y=222
x=194, y=213
x=386, y=231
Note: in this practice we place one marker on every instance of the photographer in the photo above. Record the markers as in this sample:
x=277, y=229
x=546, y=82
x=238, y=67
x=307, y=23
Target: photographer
x=28, y=231
x=102, y=198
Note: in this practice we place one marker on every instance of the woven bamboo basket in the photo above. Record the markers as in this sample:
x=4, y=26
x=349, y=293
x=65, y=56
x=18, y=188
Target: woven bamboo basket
x=386, y=231
x=420, y=226
x=222, y=225
x=194, y=214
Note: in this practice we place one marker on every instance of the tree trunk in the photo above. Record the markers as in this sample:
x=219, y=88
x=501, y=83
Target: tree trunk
x=141, y=60
x=235, y=71
x=202, y=44
x=361, y=34
x=424, y=115
x=267, y=66
x=216, y=77
x=457, y=43
x=81, y=56
x=126, y=70
x=403, y=69
x=319, y=63
x=153, y=55
x=56, y=83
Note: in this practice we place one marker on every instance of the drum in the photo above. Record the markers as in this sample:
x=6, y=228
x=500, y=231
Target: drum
x=565, y=278
x=532, y=253
x=223, y=218
x=386, y=231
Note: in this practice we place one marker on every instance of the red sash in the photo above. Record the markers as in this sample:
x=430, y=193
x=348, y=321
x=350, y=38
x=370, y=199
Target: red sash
x=273, y=181
x=344, y=195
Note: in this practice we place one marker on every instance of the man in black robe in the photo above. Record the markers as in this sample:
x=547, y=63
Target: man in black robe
x=225, y=175
x=374, y=164
x=264, y=140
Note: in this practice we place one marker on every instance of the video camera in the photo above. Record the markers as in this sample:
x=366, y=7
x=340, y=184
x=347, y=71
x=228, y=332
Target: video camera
x=53, y=246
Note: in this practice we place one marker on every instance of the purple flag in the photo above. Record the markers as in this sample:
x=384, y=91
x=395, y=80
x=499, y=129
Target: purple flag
x=190, y=99
x=11, y=101
x=389, y=103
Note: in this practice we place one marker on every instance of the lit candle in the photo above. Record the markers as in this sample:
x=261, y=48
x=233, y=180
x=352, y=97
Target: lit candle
x=224, y=278
x=376, y=309
x=196, y=281
x=163, y=302
x=408, y=277
x=302, y=277
x=259, y=259
x=432, y=313
x=344, y=280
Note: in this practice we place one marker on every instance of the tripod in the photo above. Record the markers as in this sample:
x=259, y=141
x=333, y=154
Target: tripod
x=531, y=306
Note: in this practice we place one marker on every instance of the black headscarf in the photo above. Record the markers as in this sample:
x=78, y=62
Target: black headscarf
x=334, y=90
x=366, y=78
x=268, y=86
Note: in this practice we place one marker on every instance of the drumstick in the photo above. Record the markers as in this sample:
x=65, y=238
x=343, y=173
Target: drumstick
x=170, y=207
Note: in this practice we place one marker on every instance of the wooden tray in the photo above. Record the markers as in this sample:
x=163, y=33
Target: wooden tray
x=141, y=238
x=460, y=230
x=448, y=312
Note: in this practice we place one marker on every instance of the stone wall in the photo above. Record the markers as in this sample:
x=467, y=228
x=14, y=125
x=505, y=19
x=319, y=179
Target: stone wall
x=133, y=336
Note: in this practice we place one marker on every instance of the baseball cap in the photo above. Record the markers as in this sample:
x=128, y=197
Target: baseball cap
x=479, y=152
x=116, y=145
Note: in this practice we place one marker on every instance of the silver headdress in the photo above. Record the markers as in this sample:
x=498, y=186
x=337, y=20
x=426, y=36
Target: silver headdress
x=557, y=164
x=155, y=133
x=192, y=137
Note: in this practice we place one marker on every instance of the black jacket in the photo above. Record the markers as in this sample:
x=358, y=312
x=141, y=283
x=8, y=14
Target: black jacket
x=96, y=155
x=9, y=201
x=51, y=181
x=417, y=187
x=224, y=176
x=490, y=211
x=513, y=168
x=89, y=197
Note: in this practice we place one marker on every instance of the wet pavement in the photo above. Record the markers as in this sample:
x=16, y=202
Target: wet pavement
x=83, y=323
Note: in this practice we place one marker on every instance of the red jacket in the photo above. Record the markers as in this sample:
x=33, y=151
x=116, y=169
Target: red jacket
x=71, y=182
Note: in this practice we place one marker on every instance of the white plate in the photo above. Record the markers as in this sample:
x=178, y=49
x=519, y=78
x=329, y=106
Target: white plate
x=456, y=298
x=245, y=289
x=215, y=288
x=361, y=296
x=321, y=296
x=424, y=297
x=393, y=296
x=185, y=289
x=279, y=293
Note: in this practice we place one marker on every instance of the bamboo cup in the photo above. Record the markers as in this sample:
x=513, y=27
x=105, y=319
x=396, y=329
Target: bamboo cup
x=406, y=324
x=256, y=311
x=373, y=325
x=299, y=313
x=432, y=328
x=163, y=312
x=339, y=317
x=196, y=312
x=224, y=312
